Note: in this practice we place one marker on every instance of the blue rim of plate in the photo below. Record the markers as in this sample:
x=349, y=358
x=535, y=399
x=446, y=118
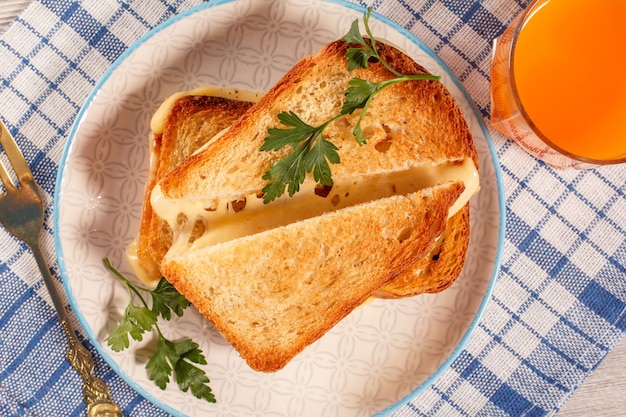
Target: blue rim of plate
x=183, y=15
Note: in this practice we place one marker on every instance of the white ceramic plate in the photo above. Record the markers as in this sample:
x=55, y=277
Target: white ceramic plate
x=373, y=361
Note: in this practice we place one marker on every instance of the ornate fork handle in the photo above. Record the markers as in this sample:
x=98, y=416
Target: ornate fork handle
x=96, y=394
x=22, y=215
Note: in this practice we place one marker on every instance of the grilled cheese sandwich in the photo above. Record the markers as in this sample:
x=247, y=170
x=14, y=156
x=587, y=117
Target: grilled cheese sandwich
x=273, y=278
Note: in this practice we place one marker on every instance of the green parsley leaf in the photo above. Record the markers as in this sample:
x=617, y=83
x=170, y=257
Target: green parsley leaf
x=135, y=322
x=279, y=138
x=358, y=132
x=169, y=357
x=311, y=153
x=317, y=160
x=359, y=58
x=357, y=94
x=179, y=357
x=354, y=34
x=159, y=363
x=166, y=299
x=189, y=376
x=288, y=173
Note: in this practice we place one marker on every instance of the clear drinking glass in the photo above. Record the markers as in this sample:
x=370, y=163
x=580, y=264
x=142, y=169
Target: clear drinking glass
x=509, y=112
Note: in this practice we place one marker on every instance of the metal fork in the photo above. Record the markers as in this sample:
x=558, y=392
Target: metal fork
x=21, y=213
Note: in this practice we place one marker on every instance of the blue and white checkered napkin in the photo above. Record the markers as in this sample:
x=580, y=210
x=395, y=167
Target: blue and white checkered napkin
x=560, y=301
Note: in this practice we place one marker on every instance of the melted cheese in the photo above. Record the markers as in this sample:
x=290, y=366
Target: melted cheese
x=136, y=264
x=247, y=215
x=226, y=220
x=142, y=267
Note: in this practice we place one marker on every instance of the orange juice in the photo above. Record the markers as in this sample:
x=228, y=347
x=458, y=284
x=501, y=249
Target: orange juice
x=569, y=70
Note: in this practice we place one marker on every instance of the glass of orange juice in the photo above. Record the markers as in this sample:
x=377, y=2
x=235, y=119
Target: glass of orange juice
x=559, y=82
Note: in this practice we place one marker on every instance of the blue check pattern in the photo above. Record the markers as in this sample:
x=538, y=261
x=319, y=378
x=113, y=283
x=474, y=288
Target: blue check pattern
x=559, y=303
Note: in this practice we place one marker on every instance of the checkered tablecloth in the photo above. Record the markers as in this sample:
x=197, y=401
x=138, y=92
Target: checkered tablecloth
x=559, y=303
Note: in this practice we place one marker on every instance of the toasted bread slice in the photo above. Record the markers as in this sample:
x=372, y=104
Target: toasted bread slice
x=440, y=267
x=273, y=293
x=189, y=122
x=410, y=124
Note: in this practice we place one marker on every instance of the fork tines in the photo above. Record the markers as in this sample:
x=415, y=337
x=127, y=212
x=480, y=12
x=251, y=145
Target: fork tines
x=16, y=159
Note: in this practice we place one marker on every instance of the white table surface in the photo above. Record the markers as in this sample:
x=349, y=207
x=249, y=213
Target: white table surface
x=603, y=394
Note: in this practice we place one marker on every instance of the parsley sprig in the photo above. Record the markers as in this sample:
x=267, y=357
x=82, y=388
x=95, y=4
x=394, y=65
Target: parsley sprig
x=311, y=152
x=178, y=357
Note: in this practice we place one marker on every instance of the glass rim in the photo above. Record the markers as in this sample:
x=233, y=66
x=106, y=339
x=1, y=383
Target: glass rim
x=525, y=16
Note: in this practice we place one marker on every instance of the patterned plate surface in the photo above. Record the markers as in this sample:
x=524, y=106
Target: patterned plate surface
x=375, y=359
